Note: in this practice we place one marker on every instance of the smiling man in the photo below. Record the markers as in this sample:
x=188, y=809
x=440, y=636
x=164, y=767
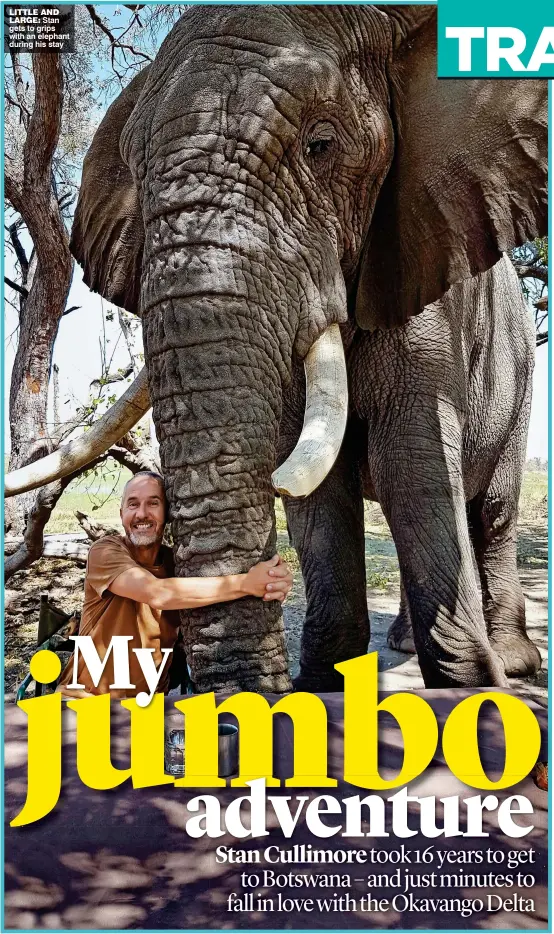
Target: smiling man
x=130, y=589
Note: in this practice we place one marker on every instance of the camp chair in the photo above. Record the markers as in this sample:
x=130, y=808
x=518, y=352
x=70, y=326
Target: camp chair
x=179, y=673
x=54, y=629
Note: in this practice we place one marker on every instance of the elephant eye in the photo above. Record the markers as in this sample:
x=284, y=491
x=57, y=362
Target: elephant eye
x=319, y=147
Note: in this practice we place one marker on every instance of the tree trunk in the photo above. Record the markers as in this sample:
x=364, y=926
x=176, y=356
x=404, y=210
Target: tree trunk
x=32, y=546
x=30, y=192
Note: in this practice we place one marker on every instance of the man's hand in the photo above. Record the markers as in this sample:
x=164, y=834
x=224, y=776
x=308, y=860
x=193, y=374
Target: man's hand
x=271, y=580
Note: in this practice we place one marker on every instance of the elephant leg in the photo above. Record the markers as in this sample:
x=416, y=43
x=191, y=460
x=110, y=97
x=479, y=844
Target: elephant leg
x=327, y=530
x=415, y=463
x=493, y=522
x=400, y=635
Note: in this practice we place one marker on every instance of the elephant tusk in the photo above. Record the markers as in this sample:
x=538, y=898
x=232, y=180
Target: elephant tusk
x=119, y=419
x=324, y=419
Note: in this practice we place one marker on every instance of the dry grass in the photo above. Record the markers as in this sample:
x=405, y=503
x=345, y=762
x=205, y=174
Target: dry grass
x=98, y=497
x=533, y=502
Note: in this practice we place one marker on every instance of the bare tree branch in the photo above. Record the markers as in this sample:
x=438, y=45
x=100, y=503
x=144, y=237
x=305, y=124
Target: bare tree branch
x=16, y=309
x=132, y=452
x=18, y=288
x=32, y=546
x=532, y=272
x=94, y=528
x=66, y=199
x=127, y=331
x=19, y=87
x=134, y=457
x=116, y=377
x=115, y=42
x=13, y=231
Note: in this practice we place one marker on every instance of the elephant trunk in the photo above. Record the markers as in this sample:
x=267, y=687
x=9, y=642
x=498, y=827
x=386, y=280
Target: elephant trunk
x=215, y=383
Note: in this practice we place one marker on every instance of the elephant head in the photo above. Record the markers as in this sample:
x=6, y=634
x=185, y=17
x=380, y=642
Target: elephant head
x=275, y=173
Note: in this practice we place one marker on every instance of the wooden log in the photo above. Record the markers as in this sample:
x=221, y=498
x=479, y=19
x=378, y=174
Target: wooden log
x=54, y=548
x=94, y=528
x=76, y=550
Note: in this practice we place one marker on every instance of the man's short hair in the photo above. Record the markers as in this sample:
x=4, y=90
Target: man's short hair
x=145, y=473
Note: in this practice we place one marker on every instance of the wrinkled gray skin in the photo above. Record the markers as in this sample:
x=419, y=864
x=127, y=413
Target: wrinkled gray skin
x=278, y=169
x=438, y=439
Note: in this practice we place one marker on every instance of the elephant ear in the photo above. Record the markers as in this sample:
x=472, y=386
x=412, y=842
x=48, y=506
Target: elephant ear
x=107, y=238
x=468, y=179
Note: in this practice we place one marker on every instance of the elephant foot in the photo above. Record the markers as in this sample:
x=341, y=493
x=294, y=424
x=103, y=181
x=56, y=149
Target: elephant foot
x=400, y=636
x=520, y=656
x=322, y=683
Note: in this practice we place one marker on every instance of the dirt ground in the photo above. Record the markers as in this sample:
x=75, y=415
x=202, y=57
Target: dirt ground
x=63, y=580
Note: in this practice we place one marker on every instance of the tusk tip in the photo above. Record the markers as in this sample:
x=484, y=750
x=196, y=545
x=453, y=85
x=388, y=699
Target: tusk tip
x=286, y=485
x=284, y=492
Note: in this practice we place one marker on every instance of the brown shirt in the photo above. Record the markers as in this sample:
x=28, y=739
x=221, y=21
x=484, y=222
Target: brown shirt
x=105, y=615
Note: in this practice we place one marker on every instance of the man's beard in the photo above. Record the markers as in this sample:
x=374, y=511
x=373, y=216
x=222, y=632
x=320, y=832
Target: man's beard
x=142, y=539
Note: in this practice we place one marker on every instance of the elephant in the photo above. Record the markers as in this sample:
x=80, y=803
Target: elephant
x=312, y=227
x=438, y=438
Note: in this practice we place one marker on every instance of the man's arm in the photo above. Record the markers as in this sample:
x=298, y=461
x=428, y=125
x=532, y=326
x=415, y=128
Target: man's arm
x=270, y=580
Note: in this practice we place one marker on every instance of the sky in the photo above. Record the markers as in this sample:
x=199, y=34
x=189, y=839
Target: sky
x=77, y=351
